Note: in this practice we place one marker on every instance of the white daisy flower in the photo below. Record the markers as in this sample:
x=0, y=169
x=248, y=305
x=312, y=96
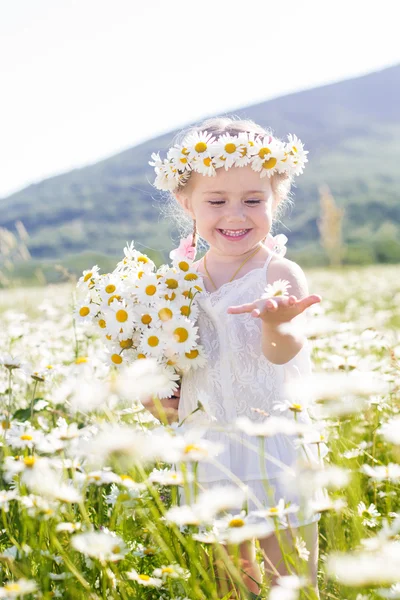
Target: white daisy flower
x=108, y=286
x=148, y=288
x=181, y=335
x=166, y=310
x=21, y=435
x=199, y=144
x=16, y=589
x=271, y=426
x=180, y=156
x=143, y=579
x=369, y=515
x=279, y=511
x=235, y=529
x=205, y=165
x=89, y=278
x=194, y=359
x=390, y=472
x=105, y=546
x=277, y=288
x=120, y=318
x=227, y=150
x=366, y=568
x=5, y=497
x=187, y=307
x=171, y=571
x=247, y=148
x=146, y=316
x=168, y=477
x=267, y=152
x=301, y=548
x=295, y=154
x=86, y=311
x=11, y=362
x=152, y=342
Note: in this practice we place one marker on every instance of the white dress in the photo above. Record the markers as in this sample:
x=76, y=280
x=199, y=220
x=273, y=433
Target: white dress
x=237, y=378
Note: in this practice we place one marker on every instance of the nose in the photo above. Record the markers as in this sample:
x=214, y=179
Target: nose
x=236, y=215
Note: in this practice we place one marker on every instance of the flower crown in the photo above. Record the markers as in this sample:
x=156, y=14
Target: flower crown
x=203, y=153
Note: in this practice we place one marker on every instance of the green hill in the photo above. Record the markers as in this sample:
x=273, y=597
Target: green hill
x=351, y=129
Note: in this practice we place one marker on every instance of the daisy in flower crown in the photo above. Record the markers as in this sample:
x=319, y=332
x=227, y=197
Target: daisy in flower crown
x=232, y=179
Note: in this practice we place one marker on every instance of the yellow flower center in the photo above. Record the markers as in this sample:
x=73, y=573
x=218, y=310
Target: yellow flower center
x=172, y=284
x=85, y=310
x=243, y=151
x=80, y=360
x=200, y=147
x=126, y=478
x=165, y=314
x=207, y=161
x=185, y=311
x=29, y=461
x=13, y=587
x=117, y=359
x=236, y=523
x=230, y=148
x=296, y=407
x=263, y=151
x=126, y=344
x=109, y=337
x=167, y=570
x=150, y=290
x=269, y=164
x=110, y=288
x=116, y=549
x=26, y=437
x=143, y=259
x=191, y=277
x=170, y=297
x=183, y=265
x=111, y=298
x=121, y=316
x=5, y=425
x=192, y=354
x=181, y=334
x=140, y=274
x=144, y=577
x=87, y=276
x=192, y=447
x=273, y=509
x=140, y=355
x=146, y=319
x=102, y=323
x=153, y=341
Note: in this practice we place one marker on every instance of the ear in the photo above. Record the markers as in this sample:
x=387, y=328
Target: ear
x=184, y=201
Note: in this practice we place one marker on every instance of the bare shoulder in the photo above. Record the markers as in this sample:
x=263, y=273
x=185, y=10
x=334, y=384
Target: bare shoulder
x=283, y=268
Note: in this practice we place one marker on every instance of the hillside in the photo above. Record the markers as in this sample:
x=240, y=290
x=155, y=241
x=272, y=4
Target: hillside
x=351, y=129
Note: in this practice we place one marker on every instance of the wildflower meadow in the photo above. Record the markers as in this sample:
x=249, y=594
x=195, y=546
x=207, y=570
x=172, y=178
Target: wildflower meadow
x=91, y=480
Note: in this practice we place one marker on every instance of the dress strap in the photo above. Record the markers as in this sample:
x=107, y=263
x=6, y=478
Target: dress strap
x=265, y=267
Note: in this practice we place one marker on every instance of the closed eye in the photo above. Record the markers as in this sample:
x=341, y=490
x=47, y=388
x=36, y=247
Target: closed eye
x=219, y=202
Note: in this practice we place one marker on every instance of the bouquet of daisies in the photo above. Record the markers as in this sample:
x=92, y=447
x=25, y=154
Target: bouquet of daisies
x=143, y=312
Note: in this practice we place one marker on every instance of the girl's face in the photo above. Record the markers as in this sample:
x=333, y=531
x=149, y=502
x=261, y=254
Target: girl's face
x=233, y=210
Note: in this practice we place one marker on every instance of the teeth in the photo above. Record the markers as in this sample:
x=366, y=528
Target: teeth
x=234, y=232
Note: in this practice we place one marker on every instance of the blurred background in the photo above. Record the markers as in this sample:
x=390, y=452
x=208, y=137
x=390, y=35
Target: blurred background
x=91, y=88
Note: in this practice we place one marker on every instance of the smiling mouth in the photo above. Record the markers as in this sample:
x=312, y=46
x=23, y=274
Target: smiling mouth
x=234, y=232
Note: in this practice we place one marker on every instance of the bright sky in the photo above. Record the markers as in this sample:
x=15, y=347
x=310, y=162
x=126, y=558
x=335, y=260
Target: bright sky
x=84, y=79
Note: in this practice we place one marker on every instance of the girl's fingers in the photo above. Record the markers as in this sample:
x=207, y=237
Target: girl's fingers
x=304, y=303
x=242, y=308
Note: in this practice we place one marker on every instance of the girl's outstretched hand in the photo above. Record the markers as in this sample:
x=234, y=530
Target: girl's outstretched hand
x=276, y=310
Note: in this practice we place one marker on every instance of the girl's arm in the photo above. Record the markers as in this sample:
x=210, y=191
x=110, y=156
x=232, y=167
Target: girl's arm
x=282, y=334
x=170, y=406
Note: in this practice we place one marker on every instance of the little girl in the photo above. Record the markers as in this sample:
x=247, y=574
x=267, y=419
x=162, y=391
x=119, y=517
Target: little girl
x=232, y=178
